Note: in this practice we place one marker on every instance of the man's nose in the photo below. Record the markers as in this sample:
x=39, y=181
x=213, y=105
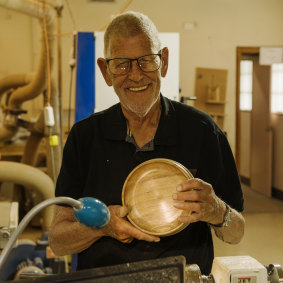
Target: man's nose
x=135, y=72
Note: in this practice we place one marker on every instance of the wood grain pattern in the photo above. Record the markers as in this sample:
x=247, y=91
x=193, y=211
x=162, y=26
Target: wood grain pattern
x=147, y=192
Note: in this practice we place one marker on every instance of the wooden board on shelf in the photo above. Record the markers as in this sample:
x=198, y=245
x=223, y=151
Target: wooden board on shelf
x=15, y=151
x=210, y=90
x=209, y=101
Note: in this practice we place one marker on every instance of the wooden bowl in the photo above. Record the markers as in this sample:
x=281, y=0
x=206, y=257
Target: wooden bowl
x=147, y=192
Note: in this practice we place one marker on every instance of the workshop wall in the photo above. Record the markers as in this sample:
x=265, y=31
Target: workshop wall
x=210, y=31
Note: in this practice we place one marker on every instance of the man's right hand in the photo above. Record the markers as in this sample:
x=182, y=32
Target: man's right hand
x=121, y=229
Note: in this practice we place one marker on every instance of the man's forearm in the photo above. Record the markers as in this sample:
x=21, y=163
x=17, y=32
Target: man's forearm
x=72, y=237
x=234, y=232
x=67, y=235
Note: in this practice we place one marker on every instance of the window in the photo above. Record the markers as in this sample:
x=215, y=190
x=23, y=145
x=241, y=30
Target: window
x=277, y=88
x=246, y=72
x=246, y=83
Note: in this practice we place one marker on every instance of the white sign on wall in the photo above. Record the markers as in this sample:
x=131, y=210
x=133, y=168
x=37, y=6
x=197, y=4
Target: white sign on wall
x=270, y=55
x=105, y=95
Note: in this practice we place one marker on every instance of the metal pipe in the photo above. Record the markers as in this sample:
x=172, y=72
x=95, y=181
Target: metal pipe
x=31, y=178
x=39, y=81
x=14, y=81
x=31, y=8
x=53, y=151
x=59, y=9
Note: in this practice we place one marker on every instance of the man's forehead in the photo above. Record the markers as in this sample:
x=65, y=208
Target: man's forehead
x=120, y=44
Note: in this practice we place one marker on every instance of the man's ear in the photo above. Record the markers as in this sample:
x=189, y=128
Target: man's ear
x=164, y=61
x=101, y=62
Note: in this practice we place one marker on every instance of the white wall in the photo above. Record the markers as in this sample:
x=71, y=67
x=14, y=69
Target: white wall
x=19, y=42
x=220, y=26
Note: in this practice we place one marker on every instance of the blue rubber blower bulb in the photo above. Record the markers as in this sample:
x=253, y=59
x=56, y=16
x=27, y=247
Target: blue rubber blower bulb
x=94, y=213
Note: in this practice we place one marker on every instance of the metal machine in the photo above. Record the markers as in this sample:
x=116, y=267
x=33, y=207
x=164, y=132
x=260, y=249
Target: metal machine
x=8, y=221
x=27, y=259
x=93, y=213
x=244, y=269
x=235, y=269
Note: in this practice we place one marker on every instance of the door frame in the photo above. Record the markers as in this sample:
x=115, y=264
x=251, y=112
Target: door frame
x=240, y=52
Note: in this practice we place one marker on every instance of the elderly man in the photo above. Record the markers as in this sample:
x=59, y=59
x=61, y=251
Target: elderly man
x=104, y=148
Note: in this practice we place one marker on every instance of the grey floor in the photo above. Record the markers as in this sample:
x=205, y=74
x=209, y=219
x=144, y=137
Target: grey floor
x=263, y=239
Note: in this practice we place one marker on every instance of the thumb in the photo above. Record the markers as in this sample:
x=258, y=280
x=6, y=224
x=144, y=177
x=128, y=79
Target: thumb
x=123, y=211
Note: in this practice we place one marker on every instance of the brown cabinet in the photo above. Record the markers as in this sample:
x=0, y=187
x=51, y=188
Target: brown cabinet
x=210, y=92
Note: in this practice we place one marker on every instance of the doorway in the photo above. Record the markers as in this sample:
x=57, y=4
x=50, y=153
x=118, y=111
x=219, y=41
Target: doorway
x=253, y=126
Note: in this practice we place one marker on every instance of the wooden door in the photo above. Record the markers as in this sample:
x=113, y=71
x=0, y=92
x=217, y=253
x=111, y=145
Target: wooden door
x=261, y=135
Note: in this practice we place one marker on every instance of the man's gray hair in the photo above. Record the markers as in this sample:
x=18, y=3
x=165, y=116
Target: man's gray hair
x=131, y=24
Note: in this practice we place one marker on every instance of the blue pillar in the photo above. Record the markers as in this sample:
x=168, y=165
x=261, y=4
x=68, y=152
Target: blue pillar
x=85, y=75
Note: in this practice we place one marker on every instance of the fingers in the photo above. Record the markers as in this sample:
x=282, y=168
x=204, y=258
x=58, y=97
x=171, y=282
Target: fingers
x=188, y=206
x=141, y=235
x=187, y=196
x=123, y=211
x=195, y=196
x=194, y=184
x=128, y=232
x=193, y=217
x=122, y=230
x=196, y=209
x=195, y=190
x=127, y=241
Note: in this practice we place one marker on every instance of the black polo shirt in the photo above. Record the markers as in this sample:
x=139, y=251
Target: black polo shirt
x=97, y=160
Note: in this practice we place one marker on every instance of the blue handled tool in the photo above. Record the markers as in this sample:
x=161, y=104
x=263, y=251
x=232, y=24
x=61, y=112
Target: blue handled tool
x=93, y=213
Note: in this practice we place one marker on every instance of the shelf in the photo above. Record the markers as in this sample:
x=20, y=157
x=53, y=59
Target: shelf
x=210, y=90
x=217, y=117
x=215, y=101
x=214, y=114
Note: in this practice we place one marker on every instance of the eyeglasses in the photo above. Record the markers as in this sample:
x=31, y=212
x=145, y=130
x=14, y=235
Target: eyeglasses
x=146, y=63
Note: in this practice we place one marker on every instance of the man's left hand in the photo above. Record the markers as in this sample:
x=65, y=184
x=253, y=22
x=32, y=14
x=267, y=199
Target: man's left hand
x=197, y=196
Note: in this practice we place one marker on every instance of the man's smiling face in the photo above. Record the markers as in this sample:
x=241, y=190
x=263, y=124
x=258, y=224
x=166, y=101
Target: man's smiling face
x=138, y=91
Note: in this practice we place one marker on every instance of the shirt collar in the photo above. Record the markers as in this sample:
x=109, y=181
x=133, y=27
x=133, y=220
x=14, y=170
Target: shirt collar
x=115, y=125
x=167, y=132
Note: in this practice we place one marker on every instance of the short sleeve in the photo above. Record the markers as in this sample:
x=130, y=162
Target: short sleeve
x=217, y=167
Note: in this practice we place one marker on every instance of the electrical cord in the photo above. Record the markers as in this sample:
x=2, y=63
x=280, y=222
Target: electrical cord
x=70, y=100
x=48, y=65
x=71, y=15
x=28, y=217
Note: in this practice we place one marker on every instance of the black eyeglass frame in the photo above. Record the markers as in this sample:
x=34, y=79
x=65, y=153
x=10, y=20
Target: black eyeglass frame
x=136, y=59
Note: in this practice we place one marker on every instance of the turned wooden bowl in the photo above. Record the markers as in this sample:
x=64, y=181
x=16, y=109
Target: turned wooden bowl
x=147, y=193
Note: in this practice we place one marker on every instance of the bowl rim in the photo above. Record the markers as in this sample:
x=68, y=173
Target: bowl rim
x=182, y=168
